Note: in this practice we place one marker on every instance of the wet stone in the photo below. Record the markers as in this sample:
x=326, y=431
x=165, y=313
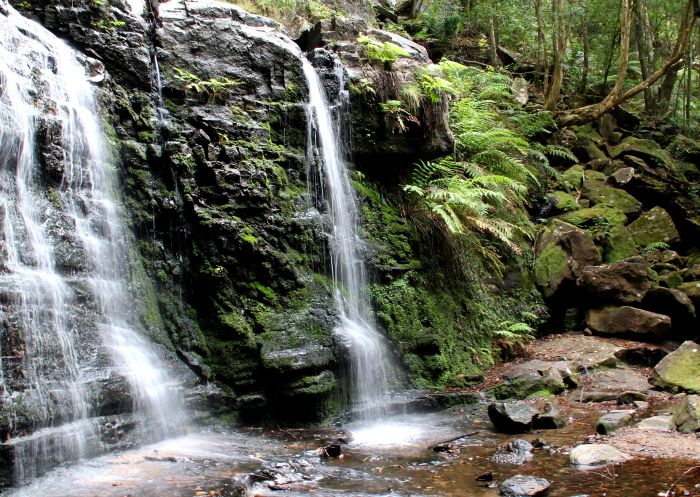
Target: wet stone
x=524, y=485
x=613, y=421
x=595, y=455
x=514, y=452
x=512, y=417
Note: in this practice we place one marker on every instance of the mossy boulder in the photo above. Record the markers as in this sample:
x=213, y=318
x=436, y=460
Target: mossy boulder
x=592, y=175
x=573, y=177
x=686, y=414
x=619, y=245
x=595, y=215
x=552, y=269
x=685, y=149
x=648, y=150
x=654, y=226
x=531, y=384
x=601, y=194
x=680, y=370
x=692, y=290
x=562, y=201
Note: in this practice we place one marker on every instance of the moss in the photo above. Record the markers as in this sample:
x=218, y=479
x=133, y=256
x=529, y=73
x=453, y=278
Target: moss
x=619, y=245
x=563, y=201
x=654, y=226
x=593, y=215
x=601, y=194
x=541, y=394
x=551, y=267
x=573, y=177
x=648, y=150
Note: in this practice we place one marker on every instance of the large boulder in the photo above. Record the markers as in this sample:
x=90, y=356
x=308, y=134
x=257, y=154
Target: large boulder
x=686, y=414
x=524, y=485
x=591, y=216
x=596, y=455
x=626, y=321
x=648, y=150
x=532, y=384
x=602, y=194
x=512, y=417
x=654, y=226
x=624, y=282
x=680, y=370
x=560, y=254
x=692, y=290
x=619, y=245
x=675, y=304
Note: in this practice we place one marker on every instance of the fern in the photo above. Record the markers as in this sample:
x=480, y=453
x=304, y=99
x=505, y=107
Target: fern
x=377, y=52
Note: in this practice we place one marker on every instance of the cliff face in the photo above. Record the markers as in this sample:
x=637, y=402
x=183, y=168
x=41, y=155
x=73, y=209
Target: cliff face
x=214, y=173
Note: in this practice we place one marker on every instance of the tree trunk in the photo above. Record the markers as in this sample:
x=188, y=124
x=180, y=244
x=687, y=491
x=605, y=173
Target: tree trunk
x=643, y=51
x=493, y=44
x=665, y=92
x=583, y=84
x=617, y=96
x=560, y=41
x=542, y=53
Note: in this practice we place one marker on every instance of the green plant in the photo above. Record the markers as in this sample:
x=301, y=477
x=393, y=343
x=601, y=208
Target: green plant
x=396, y=117
x=378, y=52
x=648, y=249
x=213, y=88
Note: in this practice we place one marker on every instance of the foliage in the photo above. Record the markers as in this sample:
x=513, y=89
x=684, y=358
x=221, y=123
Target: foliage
x=378, y=52
x=289, y=11
x=397, y=118
x=212, y=88
x=648, y=249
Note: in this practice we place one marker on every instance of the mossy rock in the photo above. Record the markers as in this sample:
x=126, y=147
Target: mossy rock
x=654, y=226
x=619, y=245
x=588, y=133
x=551, y=268
x=648, y=150
x=680, y=370
x=592, y=175
x=593, y=215
x=563, y=201
x=671, y=279
x=312, y=385
x=573, y=177
x=685, y=149
x=602, y=194
x=692, y=290
x=531, y=385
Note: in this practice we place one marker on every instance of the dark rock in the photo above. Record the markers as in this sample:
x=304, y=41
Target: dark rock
x=642, y=355
x=679, y=370
x=488, y=476
x=512, y=417
x=514, y=452
x=624, y=282
x=675, y=304
x=524, y=485
x=631, y=396
x=613, y=421
x=692, y=290
x=686, y=414
x=626, y=321
x=332, y=450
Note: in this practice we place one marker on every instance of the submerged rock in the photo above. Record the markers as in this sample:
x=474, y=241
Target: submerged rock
x=595, y=455
x=512, y=417
x=680, y=370
x=524, y=485
x=514, y=452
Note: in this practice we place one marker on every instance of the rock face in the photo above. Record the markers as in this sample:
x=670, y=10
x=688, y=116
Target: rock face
x=520, y=485
x=512, y=417
x=680, y=370
x=686, y=414
x=624, y=282
x=596, y=455
x=627, y=320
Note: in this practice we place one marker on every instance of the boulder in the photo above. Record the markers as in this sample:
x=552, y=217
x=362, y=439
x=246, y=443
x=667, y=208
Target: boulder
x=594, y=215
x=602, y=194
x=627, y=320
x=673, y=303
x=621, y=176
x=692, y=290
x=619, y=245
x=679, y=370
x=657, y=423
x=512, y=417
x=562, y=201
x=514, y=452
x=573, y=177
x=560, y=254
x=524, y=485
x=685, y=149
x=624, y=282
x=642, y=355
x=596, y=455
x=654, y=226
x=686, y=414
x=531, y=384
x=551, y=419
x=648, y=150
x=613, y=421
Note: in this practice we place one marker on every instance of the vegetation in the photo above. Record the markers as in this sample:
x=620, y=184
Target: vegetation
x=288, y=11
x=378, y=52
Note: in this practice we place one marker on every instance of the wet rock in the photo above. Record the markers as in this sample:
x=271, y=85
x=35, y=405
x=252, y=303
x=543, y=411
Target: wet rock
x=613, y=421
x=686, y=415
x=654, y=226
x=596, y=455
x=679, y=370
x=332, y=450
x=657, y=423
x=514, y=452
x=624, y=282
x=551, y=419
x=512, y=417
x=488, y=476
x=627, y=321
x=524, y=485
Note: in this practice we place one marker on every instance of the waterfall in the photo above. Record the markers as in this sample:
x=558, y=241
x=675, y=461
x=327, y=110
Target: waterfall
x=68, y=336
x=356, y=330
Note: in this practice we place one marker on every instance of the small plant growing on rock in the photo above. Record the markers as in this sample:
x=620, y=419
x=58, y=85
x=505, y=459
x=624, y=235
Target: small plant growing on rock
x=212, y=89
x=385, y=53
x=396, y=117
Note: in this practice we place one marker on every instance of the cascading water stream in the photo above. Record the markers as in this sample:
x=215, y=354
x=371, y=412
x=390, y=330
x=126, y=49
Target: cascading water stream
x=369, y=361
x=65, y=259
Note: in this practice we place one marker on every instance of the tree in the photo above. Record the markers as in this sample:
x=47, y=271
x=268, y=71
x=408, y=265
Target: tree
x=618, y=95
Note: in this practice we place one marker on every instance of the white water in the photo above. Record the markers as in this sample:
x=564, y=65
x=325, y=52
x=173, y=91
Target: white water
x=366, y=346
x=41, y=80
